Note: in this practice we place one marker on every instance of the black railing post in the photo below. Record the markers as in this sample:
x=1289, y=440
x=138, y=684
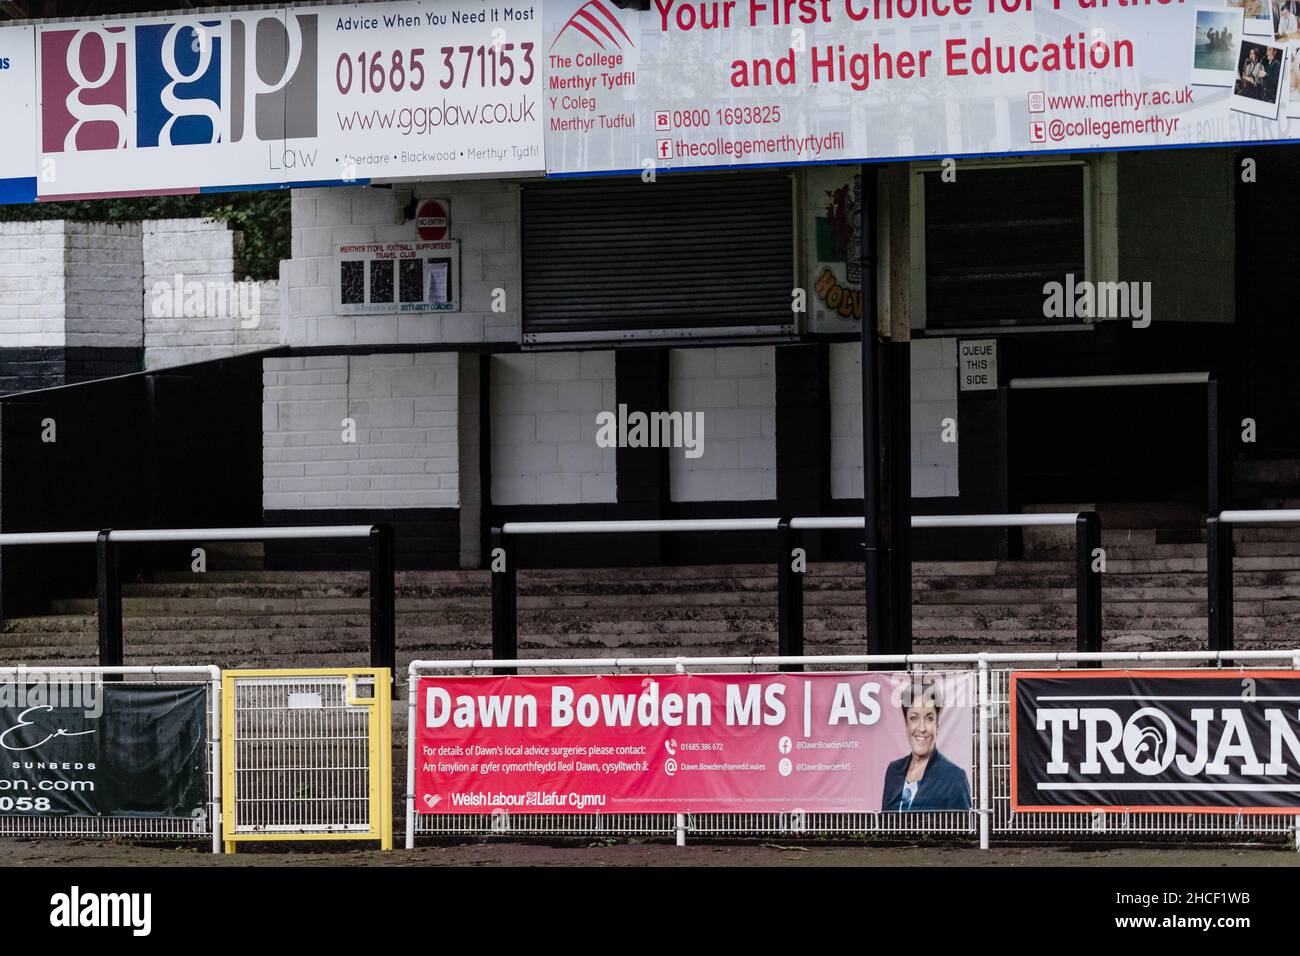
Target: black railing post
x=505, y=622
x=108, y=592
x=383, y=599
x=1218, y=581
x=1217, y=477
x=1087, y=582
x=789, y=594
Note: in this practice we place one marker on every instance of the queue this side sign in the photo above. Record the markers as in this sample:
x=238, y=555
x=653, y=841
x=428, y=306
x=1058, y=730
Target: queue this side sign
x=702, y=743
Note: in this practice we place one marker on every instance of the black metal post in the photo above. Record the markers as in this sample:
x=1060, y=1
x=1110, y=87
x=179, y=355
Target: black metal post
x=897, y=503
x=789, y=595
x=383, y=600
x=877, y=592
x=1087, y=582
x=505, y=622
x=108, y=591
x=1218, y=580
x=1215, y=473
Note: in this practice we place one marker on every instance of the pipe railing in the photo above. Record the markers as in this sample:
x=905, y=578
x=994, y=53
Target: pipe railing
x=108, y=584
x=1219, y=552
x=790, y=617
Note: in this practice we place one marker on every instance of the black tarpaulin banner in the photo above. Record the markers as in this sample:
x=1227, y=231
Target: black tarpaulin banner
x=76, y=748
x=1156, y=740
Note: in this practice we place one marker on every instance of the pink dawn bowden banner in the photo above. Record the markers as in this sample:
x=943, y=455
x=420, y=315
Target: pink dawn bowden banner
x=701, y=743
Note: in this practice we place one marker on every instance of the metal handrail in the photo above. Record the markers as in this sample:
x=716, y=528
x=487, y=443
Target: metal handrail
x=776, y=660
x=187, y=534
x=108, y=585
x=1219, y=549
x=505, y=625
x=830, y=523
x=1261, y=516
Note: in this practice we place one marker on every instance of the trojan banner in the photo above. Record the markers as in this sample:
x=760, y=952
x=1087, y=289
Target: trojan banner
x=715, y=743
x=79, y=748
x=733, y=82
x=1156, y=740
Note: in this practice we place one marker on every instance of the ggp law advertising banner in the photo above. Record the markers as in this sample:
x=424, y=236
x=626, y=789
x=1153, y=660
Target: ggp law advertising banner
x=735, y=82
x=701, y=743
x=1156, y=740
x=272, y=97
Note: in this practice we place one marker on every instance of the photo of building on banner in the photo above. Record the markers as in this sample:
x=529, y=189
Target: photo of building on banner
x=1156, y=740
x=699, y=743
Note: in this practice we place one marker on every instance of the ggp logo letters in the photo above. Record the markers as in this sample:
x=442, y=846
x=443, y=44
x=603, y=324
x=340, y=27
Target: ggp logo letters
x=178, y=82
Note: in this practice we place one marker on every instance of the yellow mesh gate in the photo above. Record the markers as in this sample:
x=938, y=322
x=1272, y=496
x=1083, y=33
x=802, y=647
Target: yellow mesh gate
x=307, y=755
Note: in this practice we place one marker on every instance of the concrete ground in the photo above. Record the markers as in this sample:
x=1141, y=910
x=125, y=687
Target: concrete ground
x=604, y=854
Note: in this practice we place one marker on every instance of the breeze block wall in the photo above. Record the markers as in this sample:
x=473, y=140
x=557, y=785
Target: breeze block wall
x=237, y=315
x=401, y=466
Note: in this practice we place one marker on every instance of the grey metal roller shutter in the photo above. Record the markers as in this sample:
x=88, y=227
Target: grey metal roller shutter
x=685, y=256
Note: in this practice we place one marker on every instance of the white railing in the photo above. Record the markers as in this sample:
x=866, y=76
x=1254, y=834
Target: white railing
x=990, y=759
x=1087, y=576
x=383, y=614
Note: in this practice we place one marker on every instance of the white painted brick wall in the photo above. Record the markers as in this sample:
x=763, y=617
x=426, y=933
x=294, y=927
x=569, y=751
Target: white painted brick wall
x=471, y=497
x=90, y=284
x=405, y=454
x=101, y=292
x=484, y=216
x=186, y=254
x=31, y=284
x=544, y=408
x=934, y=398
x=735, y=389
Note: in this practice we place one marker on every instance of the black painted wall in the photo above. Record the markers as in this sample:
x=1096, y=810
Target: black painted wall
x=176, y=448
x=29, y=369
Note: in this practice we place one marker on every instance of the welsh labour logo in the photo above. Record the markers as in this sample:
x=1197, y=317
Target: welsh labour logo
x=188, y=82
x=599, y=24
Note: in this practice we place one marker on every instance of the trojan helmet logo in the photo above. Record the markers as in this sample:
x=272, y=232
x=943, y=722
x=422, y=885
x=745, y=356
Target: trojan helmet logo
x=598, y=23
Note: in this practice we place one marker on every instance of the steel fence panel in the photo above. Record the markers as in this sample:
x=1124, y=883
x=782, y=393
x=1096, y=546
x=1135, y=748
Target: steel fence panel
x=203, y=827
x=1101, y=825
x=992, y=790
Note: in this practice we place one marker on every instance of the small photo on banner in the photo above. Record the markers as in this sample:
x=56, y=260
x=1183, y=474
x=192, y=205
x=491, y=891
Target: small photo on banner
x=1214, y=46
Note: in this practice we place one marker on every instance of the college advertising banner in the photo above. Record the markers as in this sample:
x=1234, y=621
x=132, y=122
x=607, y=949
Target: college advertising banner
x=322, y=94
x=715, y=743
x=116, y=750
x=1156, y=740
x=724, y=82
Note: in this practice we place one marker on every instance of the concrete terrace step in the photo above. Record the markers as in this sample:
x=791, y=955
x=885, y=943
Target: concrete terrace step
x=1153, y=599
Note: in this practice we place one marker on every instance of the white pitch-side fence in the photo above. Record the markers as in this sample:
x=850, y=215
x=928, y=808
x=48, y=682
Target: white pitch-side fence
x=203, y=827
x=990, y=817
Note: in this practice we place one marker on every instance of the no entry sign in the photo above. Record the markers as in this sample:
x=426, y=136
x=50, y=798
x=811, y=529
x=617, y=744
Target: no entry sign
x=432, y=219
